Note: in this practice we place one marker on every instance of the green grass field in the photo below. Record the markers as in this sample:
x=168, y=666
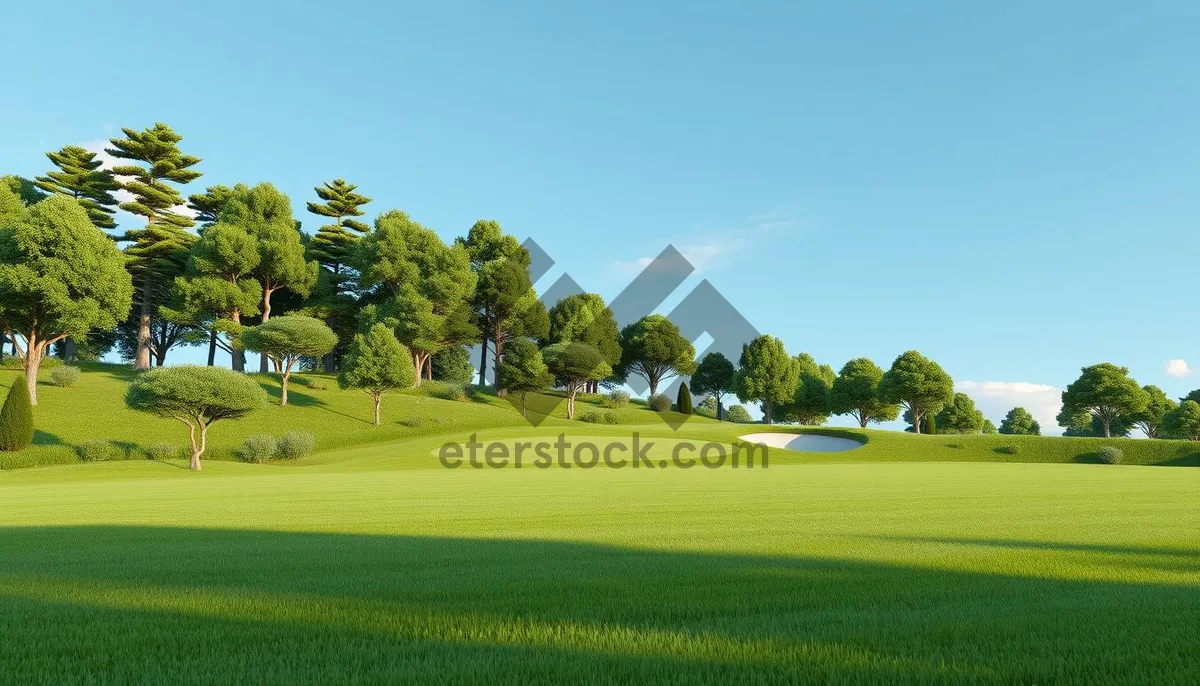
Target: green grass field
x=903, y=560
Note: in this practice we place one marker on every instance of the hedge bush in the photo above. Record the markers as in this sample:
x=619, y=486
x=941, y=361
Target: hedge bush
x=683, y=402
x=659, y=402
x=1110, y=455
x=258, y=448
x=16, y=418
x=295, y=445
x=165, y=451
x=593, y=416
x=100, y=451
x=65, y=376
x=616, y=398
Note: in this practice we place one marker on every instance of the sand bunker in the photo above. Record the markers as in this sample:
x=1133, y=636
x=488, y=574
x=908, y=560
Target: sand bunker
x=807, y=443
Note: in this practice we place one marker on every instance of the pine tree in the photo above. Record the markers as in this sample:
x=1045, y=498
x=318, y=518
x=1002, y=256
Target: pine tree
x=159, y=251
x=331, y=244
x=16, y=418
x=683, y=402
x=82, y=176
x=208, y=205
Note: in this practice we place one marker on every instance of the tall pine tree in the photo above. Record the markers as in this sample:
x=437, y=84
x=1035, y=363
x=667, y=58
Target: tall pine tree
x=81, y=176
x=331, y=245
x=157, y=252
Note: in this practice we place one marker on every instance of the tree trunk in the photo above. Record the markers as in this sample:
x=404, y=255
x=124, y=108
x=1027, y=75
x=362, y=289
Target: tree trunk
x=720, y=413
x=429, y=368
x=283, y=386
x=653, y=385
x=160, y=356
x=378, y=397
x=497, y=344
x=417, y=366
x=237, y=357
x=198, y=450
x=916, y=422
x=863, y=418
x=571, y=403
x=212, y=347
x=327, y=362
x=483, y=350
x=69, y=349
x=767, y=412
x=141, y=360
x=33, y=363
x=264, y=359
x=1103, y=420
x=523, y=393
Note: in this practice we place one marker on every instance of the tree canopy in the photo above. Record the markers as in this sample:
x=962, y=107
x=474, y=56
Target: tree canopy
x=1018, y=422
x=289, y=338
x=810, y=404
x=1150, y=418
x=377, y=363
x=855, y=392
x=654, y=349
x=573, y=366
x=767, y=374
x=917, y=383
x=959, y=416
x=522, y=370
x=1107, y=393
x=80, y=175
x=714, y=377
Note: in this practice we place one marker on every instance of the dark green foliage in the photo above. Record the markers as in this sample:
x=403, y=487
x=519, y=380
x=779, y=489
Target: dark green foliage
x=959, y=416
x=855, y=392
x=333, y=243
x=1150, y=418
x=522, y=370
x=288, y=339
x=1018, y=422
x=1183, y=422
x=714, y=377
x=683, y=402
x=453, y=365
x=574, y=366
x=1107, y=393
x=295, y=445
x=919, y=384
x=767, y=374
x=1007, y=450
x=653, y=349
x=738, y=415
x=810, y=404
x=16, y=418
x=585, y=318
x=23, y=189
x=209, y=204
x=707, y=407
x=377, y=363
x=81, y=176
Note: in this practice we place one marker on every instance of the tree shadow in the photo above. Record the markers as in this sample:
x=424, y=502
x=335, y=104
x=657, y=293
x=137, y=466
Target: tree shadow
x=115, y=603
x=46, y=438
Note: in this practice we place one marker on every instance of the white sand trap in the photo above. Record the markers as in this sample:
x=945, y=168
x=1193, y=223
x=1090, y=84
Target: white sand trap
x=806, y=443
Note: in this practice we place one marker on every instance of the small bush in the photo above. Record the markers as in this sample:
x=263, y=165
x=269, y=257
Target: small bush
x=258, y=448
x=314, y=383
x=164, y=451
x=16, y=418
x=65, y=376
x=440, y=420
x=100, y=451
x=598, y=417
x=452, y=392
x=738, y=415
x=412, y=422
x=1007, y=450
x=617, y=398
x=659, y=402
x=295, y=445
x=955, y=446
x=1110, y=455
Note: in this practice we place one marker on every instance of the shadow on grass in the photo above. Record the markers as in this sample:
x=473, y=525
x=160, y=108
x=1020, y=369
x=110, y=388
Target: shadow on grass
x=111, y=603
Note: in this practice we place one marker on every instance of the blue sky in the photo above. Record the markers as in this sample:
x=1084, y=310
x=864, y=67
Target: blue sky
x=1010, y=188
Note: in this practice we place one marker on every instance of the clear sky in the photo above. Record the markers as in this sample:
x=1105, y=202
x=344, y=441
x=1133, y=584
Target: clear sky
x=1011, y=188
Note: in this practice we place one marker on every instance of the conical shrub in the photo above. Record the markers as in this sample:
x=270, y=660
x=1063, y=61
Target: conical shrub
x=16, y=418
x=684, y=400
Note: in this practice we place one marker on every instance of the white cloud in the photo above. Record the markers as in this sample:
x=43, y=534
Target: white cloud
x=996, y=398
x=1178, y=369
x=123, y=196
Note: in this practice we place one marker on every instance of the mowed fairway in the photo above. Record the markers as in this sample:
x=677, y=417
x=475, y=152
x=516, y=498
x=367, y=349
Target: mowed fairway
x=376, y=565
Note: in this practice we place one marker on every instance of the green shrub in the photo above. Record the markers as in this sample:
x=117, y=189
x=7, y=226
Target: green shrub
x=738, y=415
x=165, y=451
x=707, y=408
x=683, y=401
x=295, y=445
x=659, y=402
x=16, y=418
x=452, y=392
x=955, y=446
x=1007, y=450
x=616, y=398
x=594, y=416
x=413, y=422
x=258, y=448
x=1110, y=455
x=10, y=362
x=315, y=383
x=100, y=451
x=65, y=376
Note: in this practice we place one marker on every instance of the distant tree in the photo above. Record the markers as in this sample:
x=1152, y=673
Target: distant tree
x=377, y=363
x=707, y=407
x=1084, y=424
x=959, y=416
x=289, y=338
x=522, y=370
x=25, y=190
x=1192, y=395
x=1106, y=392
x=81, y=176
x=334, y=242
x=452, y=364
x=573, y=366
x=1183, y=421
x=714, y=377
x=1157, y=406
x=197, y=397
x=1018, y=422
x=654, y=349
x=683, y=401
x=918, y=384
x=855, y=392
x=768, y=375
x=738, y=415
x=988, y=427
x=59, y=276
x=10, y=202
x=16, y=419
x=810, y=405
x=585, y=318
x=158, y=252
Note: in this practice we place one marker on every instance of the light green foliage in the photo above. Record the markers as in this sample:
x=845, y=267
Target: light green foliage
x=10, y=202
x=585, y=318
x=959, y=416
x=164, y=451
x=988, y=427
x=659, y=402
x=258, y=448
x=573, y=366
x=209, y=204
x=59, y=276
x=287, y=339
x=24, y=189
x=1018, y=422
x=16, y=419
x=653, y=349
x=196, y=396
x=100, y=451
x=155, y=152
x=522, y=370
x=1158, y=405
x=855, y=392
x=594, y=416
x=1106, y=392
x=452, y=364
x=683, y=401
x=80, y=175
x=714, y=377
x=1183, y=421
x=767, y=374
x=708, y=407
x=616, y=398
x=738, y=415
x=377, y=363
x=65, y=376
x=429, y=284
x=810, y=404
x=295, y=445
x=917, y=383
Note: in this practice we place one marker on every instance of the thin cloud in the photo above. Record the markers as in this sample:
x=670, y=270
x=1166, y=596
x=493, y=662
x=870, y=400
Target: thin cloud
x=123, y=196
x=707, y=251
x=996, y=398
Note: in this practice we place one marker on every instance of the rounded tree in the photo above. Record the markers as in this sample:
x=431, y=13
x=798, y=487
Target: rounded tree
x=738, y=415
x=1106, y=392
x=1018, y=422
x=654, y=349
x=376, y=363
x=959, y=416
x=1150, y=419
x=16, y=419
x=855, y=392
x=917, y=383
x=522, y=370
x=714, y=377
x=287, y=339
x=573, y=366
x=767, y=375
x=1183, y=421
x=197, y=397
